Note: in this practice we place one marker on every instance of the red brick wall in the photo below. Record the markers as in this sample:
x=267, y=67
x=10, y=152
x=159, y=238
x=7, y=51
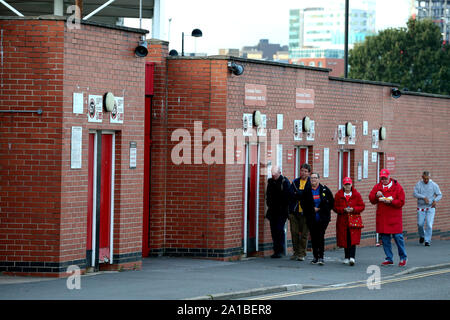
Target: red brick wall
x=98, y=60
x=158, y=51
x=30, y=144
x=43, y=201
x=416, y=133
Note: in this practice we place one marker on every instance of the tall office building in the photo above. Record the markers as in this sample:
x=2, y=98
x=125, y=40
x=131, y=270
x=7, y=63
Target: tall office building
x=323, y=26
x=436, y=10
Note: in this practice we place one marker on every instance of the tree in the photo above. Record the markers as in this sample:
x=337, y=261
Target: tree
x=414, y=57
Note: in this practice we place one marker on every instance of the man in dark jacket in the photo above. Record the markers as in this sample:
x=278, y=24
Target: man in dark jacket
x=301, y=204
x=278, y=208
x=319, y=218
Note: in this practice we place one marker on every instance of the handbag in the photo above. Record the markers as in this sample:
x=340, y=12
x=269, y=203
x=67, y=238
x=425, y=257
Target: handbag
x=355, y=221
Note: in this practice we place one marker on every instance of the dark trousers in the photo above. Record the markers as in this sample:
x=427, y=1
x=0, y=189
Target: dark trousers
x=278, y=235
x=350, y=251
x=317, y=231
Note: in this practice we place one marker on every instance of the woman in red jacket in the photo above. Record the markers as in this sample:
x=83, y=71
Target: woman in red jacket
x=348, y=200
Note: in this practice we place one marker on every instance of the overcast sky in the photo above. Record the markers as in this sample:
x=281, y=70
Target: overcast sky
x=238, y=23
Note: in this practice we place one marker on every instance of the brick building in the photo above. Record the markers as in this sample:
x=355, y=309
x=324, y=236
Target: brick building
x=102, y=194
x=68, y=194
x=217, y=210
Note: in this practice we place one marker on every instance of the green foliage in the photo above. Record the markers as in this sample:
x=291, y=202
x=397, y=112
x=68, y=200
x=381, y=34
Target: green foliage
x=414, y=57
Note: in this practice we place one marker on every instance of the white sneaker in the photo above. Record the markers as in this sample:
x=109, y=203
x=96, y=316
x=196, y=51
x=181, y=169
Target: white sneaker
x=346, y=261
x=352, y=261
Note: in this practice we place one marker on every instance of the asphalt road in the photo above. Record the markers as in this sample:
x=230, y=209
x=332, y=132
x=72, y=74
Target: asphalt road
x=430, y=285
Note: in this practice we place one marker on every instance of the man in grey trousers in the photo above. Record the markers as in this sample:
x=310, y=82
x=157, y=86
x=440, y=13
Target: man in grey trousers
x=428, y=195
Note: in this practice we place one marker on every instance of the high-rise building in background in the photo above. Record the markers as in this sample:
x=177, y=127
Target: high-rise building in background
x=436, y=10
x=322, y=26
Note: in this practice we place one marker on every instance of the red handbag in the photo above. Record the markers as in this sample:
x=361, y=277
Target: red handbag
x=355, y=221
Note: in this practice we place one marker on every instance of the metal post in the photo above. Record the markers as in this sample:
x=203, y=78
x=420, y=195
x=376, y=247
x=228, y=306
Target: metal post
x=98, y=9
x=182, y=44
x=156, y=21
x=140, y=14
x=11, y=8
x=346, y=40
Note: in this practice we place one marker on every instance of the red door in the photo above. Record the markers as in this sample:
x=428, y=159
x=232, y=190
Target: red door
x=344, y=166
x=300, y=158
x=105, y=198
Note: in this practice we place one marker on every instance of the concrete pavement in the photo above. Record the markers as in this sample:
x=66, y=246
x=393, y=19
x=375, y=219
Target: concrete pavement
x=170, y=278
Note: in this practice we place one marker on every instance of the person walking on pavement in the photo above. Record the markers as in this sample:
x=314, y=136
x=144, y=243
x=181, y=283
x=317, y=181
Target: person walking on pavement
x=389, y=197
x=300, y=187
x=348, y=201
x=318, y=219
x=428, y=195
x=277, y=198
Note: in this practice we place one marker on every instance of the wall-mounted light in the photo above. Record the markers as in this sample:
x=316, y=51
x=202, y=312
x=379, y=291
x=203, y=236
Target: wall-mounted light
x=257, y=119
x=382, y=133
x=235, y=68
x=395, y=93
x=348, y=129
x=108, y=101
x=196, y=33
x=141, y=50
x=306, y=124
x=173, y=53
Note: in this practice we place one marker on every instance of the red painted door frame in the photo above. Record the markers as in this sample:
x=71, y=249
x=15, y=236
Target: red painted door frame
x=300, y=157
x=100, y=198
x=106, y=197
x=149, y=80
x=253, y=174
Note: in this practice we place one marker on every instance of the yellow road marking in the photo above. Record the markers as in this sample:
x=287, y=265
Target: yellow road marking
x=357, y=284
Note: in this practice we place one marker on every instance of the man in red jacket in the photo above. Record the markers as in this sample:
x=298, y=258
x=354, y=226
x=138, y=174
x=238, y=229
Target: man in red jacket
x=389, y=197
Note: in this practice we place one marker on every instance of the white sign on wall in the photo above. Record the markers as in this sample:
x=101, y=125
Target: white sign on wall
x=326, y=162
x=341, y=134
x=298, y=128
x=365, y=128
x=76, y=147
x=352, y=137
x=375, y=139
x=95, y=108
x=117, y=114
x=78, y=102
x=312, y=132
x=279, y=122
x=366, y=164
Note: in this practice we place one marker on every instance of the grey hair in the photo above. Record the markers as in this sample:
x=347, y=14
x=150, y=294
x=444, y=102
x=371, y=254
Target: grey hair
x=318, y=175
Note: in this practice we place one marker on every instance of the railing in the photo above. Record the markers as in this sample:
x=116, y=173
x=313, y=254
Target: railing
x=38, y=111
